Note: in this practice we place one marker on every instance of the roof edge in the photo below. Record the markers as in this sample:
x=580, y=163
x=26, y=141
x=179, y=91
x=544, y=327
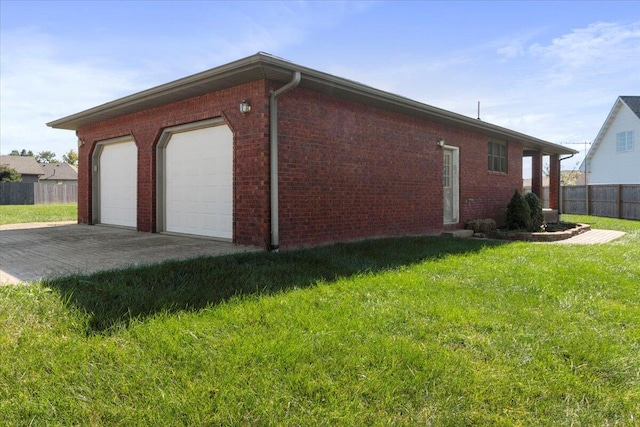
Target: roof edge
x=265, y=64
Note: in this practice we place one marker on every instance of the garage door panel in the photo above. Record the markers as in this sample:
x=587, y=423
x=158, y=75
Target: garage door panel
x=199, y=182
x=118, y=181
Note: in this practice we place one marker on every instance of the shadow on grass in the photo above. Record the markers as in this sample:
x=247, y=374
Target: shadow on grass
x=113, y=298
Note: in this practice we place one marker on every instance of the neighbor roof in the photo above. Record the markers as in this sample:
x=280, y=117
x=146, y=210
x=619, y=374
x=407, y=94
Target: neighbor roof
x=59, y=172
x=633, y=102
x=24, y=165
x=264, y=66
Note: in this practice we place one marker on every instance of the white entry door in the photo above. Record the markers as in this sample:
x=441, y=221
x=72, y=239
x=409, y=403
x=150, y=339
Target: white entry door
x=118, y=184
x=199, y=182
x=450, y=185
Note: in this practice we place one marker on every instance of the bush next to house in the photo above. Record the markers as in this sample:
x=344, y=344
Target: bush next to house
x=536, y=220
x=518, y=212
x=482, y=226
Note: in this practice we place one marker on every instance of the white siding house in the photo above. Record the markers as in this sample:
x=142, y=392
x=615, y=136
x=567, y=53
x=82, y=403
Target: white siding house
x=614, y=156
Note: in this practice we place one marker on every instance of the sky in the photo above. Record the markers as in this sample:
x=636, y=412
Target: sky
x=552, y=70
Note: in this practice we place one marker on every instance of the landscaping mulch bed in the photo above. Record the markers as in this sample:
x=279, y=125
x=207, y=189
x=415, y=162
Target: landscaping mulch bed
x=553, y=233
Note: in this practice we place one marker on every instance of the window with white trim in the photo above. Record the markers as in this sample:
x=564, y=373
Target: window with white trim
x=497, y=159
x=624, y=141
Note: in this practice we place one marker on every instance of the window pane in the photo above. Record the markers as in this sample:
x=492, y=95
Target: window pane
x=497, y=156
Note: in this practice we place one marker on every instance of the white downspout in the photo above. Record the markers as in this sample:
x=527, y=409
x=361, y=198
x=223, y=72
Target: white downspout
x=273, y=154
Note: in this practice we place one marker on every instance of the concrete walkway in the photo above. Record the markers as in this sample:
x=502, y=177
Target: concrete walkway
x=592, y=237
x=29, y=252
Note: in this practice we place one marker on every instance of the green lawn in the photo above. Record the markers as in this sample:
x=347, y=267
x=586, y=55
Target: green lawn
x=416, y=331
x=16, y=214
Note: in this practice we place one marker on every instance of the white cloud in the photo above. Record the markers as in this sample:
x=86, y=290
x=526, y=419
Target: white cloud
x=37, y=88
x=512, y=50
x=588, y=56
x=597, y=42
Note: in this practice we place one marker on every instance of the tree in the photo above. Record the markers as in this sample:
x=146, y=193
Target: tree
x=8, y=174
x=71, y=157
x=23, y=153
x=46, y=157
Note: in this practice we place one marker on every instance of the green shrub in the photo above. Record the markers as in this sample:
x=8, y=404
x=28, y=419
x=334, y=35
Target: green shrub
x=8, y=174
x=536, y=220
x=518, y=212
x=487, y=225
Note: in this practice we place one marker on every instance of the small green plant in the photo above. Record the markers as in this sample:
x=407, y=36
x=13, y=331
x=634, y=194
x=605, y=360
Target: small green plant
x=536, y=220
x=518, y=212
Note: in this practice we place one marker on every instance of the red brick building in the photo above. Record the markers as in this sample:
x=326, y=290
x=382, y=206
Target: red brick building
x=265, y=152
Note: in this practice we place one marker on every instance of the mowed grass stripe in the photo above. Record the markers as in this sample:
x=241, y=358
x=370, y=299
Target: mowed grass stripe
x=388, y=332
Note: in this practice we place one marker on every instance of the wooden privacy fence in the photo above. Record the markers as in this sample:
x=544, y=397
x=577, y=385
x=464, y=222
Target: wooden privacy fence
x=615, y=201
x=39, y=193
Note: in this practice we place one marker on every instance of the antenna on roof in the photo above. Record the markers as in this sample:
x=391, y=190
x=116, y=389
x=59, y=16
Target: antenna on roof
x=479, y=110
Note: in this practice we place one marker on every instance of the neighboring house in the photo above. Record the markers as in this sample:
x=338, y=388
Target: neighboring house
x=614, y=156
x=265, y=152
x=61, y=173
x=26, y=166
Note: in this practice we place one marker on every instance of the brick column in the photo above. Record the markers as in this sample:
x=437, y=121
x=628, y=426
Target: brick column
x=554, y=181
x=536, y=174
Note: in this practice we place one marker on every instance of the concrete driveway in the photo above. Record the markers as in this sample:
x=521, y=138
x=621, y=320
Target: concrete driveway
x=32, y=251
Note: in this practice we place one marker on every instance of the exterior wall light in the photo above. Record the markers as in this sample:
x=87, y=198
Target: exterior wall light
x=245, y=107
x=441, y=143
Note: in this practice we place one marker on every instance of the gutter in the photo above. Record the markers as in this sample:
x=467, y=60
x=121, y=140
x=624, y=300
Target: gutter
x=273, y=158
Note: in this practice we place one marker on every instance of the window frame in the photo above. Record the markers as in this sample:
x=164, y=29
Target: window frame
x=498, y=156
x=624, y=141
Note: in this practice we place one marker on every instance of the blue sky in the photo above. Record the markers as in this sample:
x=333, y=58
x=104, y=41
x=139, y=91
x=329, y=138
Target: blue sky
x=549, y=69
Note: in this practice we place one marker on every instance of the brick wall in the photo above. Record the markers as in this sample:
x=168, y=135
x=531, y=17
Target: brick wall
x=251, y=161
x=349, y=171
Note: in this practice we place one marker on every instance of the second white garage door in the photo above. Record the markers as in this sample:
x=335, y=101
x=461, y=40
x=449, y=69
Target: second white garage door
x=199, y=182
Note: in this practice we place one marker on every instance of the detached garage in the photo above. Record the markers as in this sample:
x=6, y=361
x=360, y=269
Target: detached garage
x=269, y=153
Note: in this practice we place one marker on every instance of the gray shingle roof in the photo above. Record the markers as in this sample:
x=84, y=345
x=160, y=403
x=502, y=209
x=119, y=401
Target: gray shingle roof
x=633, y=102
x=59, y=172
x=24, y=165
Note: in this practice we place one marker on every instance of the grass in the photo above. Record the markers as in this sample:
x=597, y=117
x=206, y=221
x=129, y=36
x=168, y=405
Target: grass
x=16, y=214
x=415, y=331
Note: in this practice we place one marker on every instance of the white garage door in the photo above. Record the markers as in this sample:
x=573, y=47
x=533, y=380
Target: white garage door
x=118, y=184
x=199, y=182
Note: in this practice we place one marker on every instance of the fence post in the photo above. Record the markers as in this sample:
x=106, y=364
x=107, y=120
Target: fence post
x=619, y=201
x=586, y=199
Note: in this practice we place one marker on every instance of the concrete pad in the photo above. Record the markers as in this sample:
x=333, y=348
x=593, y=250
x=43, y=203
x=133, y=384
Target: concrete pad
x=457, y=233
x=29, y=252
